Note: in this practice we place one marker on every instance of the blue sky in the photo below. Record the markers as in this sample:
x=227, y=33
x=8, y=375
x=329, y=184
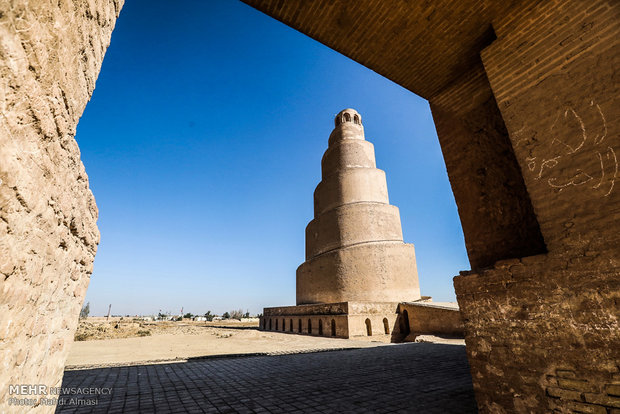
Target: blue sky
x=203, y=142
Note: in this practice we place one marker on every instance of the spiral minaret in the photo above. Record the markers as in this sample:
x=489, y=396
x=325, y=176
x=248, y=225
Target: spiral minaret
x=354, y=244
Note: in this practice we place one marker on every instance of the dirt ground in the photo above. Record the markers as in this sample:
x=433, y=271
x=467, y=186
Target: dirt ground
x=129, y=342
x=95, y=328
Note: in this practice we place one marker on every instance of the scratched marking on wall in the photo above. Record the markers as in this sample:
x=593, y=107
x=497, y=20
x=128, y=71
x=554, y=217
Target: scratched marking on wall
x=584, y=143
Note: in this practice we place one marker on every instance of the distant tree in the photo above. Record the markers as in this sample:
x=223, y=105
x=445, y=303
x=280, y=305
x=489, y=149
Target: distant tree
x=162, y=316
x=209, y=316
x=180, y=318
x=259, y=315
x=246, y=314
x=85, y=311
x=188, y=315
x=236, y=314
x=226, y=315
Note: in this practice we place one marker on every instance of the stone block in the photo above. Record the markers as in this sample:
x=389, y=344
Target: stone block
x=564, y=394
x=577, y=385
x=606, y=400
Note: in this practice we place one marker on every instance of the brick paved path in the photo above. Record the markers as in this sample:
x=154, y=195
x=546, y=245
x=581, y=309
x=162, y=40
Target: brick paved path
x=406, y=378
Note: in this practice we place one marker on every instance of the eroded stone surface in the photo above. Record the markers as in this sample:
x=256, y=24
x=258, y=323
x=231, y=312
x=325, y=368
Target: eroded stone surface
x=50, y=55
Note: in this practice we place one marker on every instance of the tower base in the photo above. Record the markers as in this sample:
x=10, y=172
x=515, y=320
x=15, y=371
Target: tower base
x=383, y=321
x=339, y=320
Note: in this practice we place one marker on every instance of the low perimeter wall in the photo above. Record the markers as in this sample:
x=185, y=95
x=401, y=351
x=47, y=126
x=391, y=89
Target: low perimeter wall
x=433, y=319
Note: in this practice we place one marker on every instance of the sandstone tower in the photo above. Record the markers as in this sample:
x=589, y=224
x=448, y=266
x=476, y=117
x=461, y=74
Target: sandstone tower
x=354, y=244
x=357, y=269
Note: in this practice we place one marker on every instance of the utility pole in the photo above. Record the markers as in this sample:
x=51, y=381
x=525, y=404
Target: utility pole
x=109, y=309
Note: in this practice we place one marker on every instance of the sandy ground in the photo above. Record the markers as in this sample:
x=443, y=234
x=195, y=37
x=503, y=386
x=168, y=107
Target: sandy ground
x=180, y=341
x=100, y=328
x=132, y=342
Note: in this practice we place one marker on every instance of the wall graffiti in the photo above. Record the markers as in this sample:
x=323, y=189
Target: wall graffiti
x=579, y=139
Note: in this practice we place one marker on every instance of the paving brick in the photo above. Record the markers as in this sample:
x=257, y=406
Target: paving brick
x=390, y=379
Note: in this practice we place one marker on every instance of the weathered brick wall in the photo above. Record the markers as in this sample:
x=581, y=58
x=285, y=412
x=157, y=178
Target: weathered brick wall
x=543, y=331
x=494, y=207
x=554, y=73
x=431, y=319
x=50, y=55
x=533, y=322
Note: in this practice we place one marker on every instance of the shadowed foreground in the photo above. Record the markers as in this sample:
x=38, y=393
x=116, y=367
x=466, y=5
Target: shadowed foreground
x=425, y=378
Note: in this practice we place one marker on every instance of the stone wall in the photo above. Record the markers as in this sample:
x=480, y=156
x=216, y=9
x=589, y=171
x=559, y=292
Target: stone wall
x=542, y=335
x=375, y=318
x=543, y=331
x=331, y=318
x=353, y=319
x=432, y=319
x=342, y=320
x=318, y=325
x=50, y=55
x=494, y=207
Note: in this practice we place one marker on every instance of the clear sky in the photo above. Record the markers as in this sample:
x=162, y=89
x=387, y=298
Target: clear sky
x=203, y=142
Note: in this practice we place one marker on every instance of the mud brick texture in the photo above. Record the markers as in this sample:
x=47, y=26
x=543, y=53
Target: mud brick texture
x=50, y=56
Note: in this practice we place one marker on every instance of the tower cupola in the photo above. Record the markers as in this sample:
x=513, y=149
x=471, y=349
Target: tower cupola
x=348, y=116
